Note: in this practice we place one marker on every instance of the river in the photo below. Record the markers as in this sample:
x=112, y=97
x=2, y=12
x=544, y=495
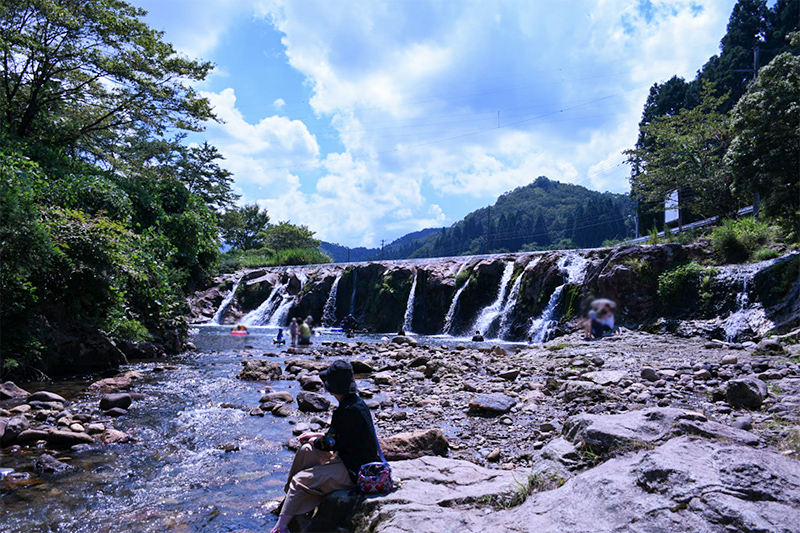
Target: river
x=176, y=477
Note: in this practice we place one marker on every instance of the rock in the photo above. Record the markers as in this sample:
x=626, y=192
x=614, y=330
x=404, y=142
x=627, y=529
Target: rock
x=770, y=346
x=382, y=378
x=744, y=423
x=498, y=351
x=311, y=383
x=583, y=389
x=47, y=464
x=93, y=429
x=67, y=439
x=14, y=426
x=77, y=428
x=10, y=390
x=108, y=385
x=256, y=412
x=116, y=412
x=415, y=444
x=294, y=365
x=312, y=402
x=729, y=359
x=44, y=396
x=493, y=456
x=404, y=339
x=121, y=400
x=279, y=397
x=113, y=436
x=509, y=375
x=30, y=436
x=748, y=392
x=259, y=370
x=283, y=410
x=362, y=367
x=702, y=374
x=494, y=404
x=421, y=360
x=606, y=377
x=650, y=374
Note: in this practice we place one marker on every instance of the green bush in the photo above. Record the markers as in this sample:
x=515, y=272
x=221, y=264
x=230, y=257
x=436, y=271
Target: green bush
x=735, y=241
x=300, y=256
x=681, y=285
x=765, y=253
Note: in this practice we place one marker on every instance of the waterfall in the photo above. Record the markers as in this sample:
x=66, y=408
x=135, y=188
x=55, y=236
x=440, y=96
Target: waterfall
x=329, y=311
x=573, y=267
x=353, y=294
x=278, y=318
x=260, y=315
x=408, y=317
x=490, y=313
x=508, y=308
x=451, y=312
x=223, y=307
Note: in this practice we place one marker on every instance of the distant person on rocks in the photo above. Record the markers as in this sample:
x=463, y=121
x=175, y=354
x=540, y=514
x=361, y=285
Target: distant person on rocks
x=530, y=339
x=401, y=331
x=293, y=329
x=331, y=461
x=601, y=319
x=350, y=323
x=279, y=338
x=305, y=333
x=477, y=337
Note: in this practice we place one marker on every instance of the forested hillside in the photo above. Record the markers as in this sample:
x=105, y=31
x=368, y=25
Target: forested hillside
x=542, y=215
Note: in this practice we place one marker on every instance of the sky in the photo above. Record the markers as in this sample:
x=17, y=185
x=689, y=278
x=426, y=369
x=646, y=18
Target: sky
x=369, y=119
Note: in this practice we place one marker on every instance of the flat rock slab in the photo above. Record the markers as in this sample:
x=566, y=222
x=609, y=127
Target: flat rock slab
x=685, y=485
x=493, y=404
x=9, y=389
x=259, y=370
x=606, y=377
x=415, y=444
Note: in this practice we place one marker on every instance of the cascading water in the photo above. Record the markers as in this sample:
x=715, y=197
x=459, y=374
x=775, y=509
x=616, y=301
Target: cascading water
x=408, y=317
x=260, y=315
x=511, y=302
x=279, y=317
x=451, y=312
x=223, y=307
x=573, y=267
x=329, y=311
x=491, y=312
x=353, y=294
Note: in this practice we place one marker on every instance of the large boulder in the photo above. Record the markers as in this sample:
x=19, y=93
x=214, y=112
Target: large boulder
x=686, y=484
x=44, y=396
x=14, y=426
x=491, y=404
x=294, y=365
x=121, y=400
x=311, y=402
x=10, y=390
x=415, y=444
x=108, y=385
x=259, y=370
x=748, y=392
x=47, y=464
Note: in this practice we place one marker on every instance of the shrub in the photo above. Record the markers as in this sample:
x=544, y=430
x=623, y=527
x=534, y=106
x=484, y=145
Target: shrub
x=765, y=254
x=678, y=286
x=735, y=241
x=300, y=256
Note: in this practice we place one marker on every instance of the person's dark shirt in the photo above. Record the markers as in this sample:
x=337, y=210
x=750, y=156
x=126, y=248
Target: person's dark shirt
x=351, y=435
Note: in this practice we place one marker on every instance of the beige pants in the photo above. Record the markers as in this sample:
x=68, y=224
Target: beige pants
x=313, y=475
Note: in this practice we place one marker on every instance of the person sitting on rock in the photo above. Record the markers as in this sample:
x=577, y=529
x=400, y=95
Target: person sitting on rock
x=601, y=319
x=331, y=461
x=305, y=333
x=477, y=337
x=279, y=338
x=401, y=331
x=349, y=323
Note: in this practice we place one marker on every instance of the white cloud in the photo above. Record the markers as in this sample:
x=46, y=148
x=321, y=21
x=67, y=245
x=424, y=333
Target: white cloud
x=278, y=103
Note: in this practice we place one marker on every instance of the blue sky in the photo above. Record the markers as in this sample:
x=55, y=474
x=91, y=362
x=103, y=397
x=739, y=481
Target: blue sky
x=369, y=119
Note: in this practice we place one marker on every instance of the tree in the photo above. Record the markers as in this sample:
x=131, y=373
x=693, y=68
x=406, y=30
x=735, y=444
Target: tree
x=80, y=74
x=241, y=226
x=686, y=153
x=199, y=171
x=540, y=234
x=765, y=152
x=286, y=236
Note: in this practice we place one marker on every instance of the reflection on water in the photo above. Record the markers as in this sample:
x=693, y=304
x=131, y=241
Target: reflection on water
x=176, y=477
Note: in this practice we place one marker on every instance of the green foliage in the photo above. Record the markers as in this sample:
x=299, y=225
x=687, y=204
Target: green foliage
x=286, y=236
x=680, y=285
x=765, y=153
x=235, y=260
x=243, y=227
x=765, y=254
x=301, y=256
x=735, y=241
x=198, y=169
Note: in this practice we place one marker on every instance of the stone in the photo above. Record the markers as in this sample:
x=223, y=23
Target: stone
x=748, y=392
x=77, y=427
x=382, y=378
x=67, y=439
x=498, y=351
x=493, y=404
x=311, y=402
x=650, y=374
x=10, y=390
x=14, y=426
x=47, y=464
x=283, y=410
x=404, y=339
x=97, y=427
x=259, y=370
x=583, y=389
x=702, y=374
x=418, y=443
x=294, y=365
x=278, y=397
x=30, y=436
x=109, y=385
x=362, y=367
x=256, y=411
x=729, y=359
x=509, y=375
x=121, y=400
x=44, y=396
x=311, y=383
x=770, y=346
x=606, y=377
x=494, y=456
x=116, y=412
x=114, y=436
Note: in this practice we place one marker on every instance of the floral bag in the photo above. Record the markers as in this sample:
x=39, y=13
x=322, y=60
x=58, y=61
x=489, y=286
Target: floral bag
x=376, y=478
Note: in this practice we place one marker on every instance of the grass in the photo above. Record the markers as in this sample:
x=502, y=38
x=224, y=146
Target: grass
x=233, y=261
x=791, y=444
x=522, y=490
x=737, y=241
x=559, y=346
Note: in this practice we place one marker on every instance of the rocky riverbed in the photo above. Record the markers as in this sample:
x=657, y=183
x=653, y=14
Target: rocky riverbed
x=480, y=434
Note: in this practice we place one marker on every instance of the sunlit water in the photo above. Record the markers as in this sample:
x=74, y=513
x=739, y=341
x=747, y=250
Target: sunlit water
x=175, y=477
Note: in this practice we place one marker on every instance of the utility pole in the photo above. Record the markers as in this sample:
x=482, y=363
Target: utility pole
x=382, y=243
x=488, y=225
